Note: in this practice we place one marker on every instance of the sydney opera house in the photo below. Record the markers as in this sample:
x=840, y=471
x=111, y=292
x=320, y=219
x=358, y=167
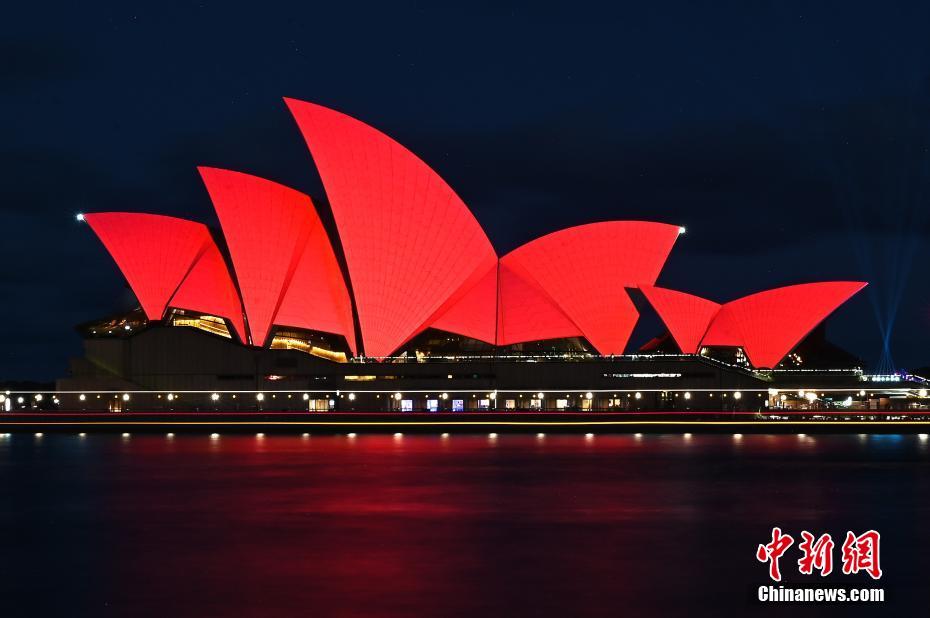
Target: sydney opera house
x=388, y=295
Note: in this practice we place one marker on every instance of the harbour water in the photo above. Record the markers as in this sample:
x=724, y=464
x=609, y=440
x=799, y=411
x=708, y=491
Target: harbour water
x=458, y=525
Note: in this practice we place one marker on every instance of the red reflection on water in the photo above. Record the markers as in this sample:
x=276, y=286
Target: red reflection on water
x=464, y=525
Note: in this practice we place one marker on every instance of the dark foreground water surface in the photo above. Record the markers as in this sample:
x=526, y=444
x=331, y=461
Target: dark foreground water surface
x=420, y=525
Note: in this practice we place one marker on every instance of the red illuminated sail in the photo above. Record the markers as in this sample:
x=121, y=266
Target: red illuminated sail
x=410, y=242
x=685, y=315
x=154, y=252
x=585, y=269
x=317, y=297
x=769, y=324
x=526, y=312
x=209, y=289
x=474, y=313
x=266, y=226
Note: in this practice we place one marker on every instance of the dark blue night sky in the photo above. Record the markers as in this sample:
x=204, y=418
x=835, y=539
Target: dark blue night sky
x=792, y=140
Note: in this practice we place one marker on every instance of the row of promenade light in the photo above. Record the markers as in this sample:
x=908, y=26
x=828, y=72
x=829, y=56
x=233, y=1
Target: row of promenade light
x=398, y=396
x=737, y=437
x=261, y=396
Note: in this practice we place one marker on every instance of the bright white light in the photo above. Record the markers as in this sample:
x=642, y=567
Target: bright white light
x=19, y=400
x=862, y=393
x=259, y=435
x=638, y=436
x=170, y=397
x=38, y=435
x=214, y=436
x=589, y=436
x=398, y=435
x=79, y=216
x=737, y=436
x=687, y=395
x=540, y=435
x=638, y=395
x=687, y=436
x=773, y=391
x=125, y=396
x=39, y=397
x=445, y=396
x=397, y=396
x=125, y=435
x=923, y=437
x=737, y=395
x=811, y=397
x=539, y=396
x=589, y=395
x=351, y=396
x=444, y=436
x=351, y=435
x=82, y=435
x=215, y=396
x=306, y=396
x=922, y=392
x=170, y=436
x=682, y=229
x=492, y=436
x=82, y=397
x=260, y=396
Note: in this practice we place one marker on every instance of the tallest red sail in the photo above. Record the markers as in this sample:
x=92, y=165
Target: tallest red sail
x=410, y=242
